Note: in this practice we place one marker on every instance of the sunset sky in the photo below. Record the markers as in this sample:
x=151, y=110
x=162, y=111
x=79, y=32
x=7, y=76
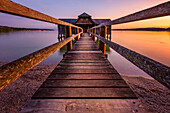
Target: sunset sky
x=101, y=9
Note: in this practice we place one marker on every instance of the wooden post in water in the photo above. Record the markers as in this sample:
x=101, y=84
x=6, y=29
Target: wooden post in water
x=103, y=32
x=94, y=31
x=59, y=32
x=77, y=31
x=82, y=33
x=69, y=34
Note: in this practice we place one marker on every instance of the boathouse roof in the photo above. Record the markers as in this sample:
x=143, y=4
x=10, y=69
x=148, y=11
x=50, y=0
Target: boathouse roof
x=84, y=15
x=97, y=21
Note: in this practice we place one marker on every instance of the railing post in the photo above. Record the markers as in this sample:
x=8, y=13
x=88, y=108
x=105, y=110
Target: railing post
x=103, y=32
x=69, y=34
x=94, y=31
x=81, y=31
x=77, y=31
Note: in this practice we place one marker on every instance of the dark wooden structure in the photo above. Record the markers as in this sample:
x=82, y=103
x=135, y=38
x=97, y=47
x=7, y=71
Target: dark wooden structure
x=85, y=21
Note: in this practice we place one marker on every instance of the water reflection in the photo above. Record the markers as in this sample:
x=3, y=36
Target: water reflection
x=155, y=45
x=14, y=45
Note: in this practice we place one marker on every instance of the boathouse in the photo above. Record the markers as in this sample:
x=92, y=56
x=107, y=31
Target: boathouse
x=85, y=21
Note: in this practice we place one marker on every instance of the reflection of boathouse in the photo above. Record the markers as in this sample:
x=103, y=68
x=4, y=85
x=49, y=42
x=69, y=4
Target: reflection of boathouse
x=85, y=21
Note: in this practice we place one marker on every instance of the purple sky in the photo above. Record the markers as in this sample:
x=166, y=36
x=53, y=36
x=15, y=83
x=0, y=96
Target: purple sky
x=111, y=9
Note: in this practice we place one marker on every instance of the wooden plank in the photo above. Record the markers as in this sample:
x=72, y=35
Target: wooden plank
x=86, y=49
x=85, y=71
x=84, y=43
x=54, y=93
x=84, y=63
x=85, y=60
x=85, y=52
x=83, y=106
x=84, y=67
x=84, y=83
x=84, y=76
x=68, y=56
x=87, y=55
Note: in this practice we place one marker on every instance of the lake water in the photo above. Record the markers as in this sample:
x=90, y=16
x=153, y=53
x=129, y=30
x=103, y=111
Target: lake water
x=155, y=45
x=14, y=45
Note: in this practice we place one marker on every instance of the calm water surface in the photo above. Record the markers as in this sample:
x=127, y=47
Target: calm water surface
x=14, y=45
x=155, y=45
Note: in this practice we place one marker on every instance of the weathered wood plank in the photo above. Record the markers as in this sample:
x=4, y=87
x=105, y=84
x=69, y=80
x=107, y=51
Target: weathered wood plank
x=84, y=76
x=85, y=71
x=98, y=52
x=82, y=106
x=84, y=49
x=84, y=60
x=85, y=63
x=84, y=83
x=84, y=67
x=83, y=55
x=46, y=93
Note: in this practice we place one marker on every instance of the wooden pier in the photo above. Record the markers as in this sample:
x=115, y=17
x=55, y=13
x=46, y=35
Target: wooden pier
x=84, y=81
x=83, y=73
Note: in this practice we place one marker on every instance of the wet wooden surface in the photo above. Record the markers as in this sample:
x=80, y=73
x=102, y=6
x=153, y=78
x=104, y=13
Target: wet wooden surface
x=83, y=73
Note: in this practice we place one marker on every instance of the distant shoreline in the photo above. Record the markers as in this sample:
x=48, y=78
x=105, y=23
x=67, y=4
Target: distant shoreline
x=144, y=29
x=8, y=29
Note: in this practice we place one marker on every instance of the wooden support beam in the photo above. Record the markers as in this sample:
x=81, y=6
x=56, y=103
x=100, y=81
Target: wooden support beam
x=59, y=31
x=77, y=31
x=69, y=34
x=103, y=32
x=81, y=34
x=94, y=31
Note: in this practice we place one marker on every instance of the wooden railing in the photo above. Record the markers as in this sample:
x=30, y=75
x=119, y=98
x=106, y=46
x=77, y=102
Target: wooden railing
x=157, y=70
x=13, y=70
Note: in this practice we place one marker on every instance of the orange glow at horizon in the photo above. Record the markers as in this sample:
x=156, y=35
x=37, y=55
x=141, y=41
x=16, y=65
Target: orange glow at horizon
x=161, y=22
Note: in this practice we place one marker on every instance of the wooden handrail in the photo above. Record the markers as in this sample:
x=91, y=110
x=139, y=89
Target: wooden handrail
x=9, y=7
x=155, y=69
x=13, y=70
x=153, y=12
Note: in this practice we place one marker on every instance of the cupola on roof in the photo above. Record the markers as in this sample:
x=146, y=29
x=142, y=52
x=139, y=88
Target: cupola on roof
x=84, y=15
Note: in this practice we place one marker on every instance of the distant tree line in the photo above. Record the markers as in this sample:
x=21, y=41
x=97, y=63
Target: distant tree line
x=7, y=29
